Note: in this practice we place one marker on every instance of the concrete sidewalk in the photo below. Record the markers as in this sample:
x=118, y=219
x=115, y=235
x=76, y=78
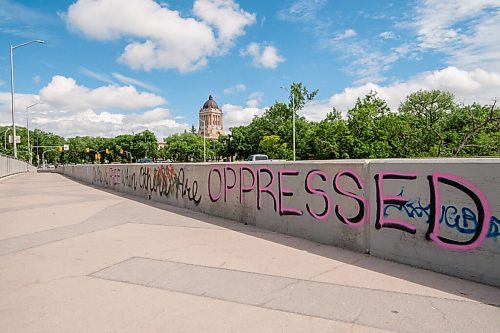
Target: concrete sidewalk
x=74, y=258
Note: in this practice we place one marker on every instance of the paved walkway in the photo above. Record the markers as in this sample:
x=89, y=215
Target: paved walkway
x=74, y=258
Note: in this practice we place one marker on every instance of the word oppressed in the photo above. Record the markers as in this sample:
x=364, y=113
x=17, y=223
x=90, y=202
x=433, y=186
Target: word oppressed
x=270, y=187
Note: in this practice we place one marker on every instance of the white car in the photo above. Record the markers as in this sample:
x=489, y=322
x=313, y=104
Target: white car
x=257, y=157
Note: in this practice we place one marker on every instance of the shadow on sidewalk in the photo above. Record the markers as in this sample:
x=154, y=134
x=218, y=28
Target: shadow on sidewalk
x=486, y=294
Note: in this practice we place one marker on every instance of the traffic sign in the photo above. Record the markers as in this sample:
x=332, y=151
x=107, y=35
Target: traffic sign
x=18, y=139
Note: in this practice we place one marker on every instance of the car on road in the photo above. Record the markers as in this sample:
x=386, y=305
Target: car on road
x=145, y=160
x=257, y=157
x=260, y=158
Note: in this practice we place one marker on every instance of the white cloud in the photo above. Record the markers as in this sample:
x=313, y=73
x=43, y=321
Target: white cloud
x=63, y=92
x=36, y=79
x=263, y=56
x=21, y=101
x=363, y=59
x=387, y=35
x=462, y=29
x=226, y=16
x=162, y=38
x=255, y=99
x=365, y=63
x=107, y=124
x=129, y=80
x=95, y=75
x=467, y=86
x=23, y=21
x=150, y=117
x=70, y=109
x=236, y=115
x=349, y=33
x=235, y=89
x=302, y=11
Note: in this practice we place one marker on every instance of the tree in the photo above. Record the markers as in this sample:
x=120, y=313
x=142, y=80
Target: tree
x=186, y=147
x=428, y=111
x=276, y=122
x=479, y=130
x=369, y=139
x=243, y=141
x=274, y=148
x=144, y=145
x=328, y=139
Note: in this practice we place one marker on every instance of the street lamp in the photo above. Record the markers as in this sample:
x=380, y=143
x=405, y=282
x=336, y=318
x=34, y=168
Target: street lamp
x=229, y=151
x=28, y=128
x=5, y=139
x=12, y=48
x=293, y=119
x=204, y=144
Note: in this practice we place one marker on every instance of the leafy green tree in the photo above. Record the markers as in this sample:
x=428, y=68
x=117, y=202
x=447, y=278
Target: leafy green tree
x=276, y=122
x=144, y=145
x=41, y=138
x=299, y=96
x=243, y=142
x=428, y=110
x=274, y=148
x=329, y=139
x=186, y=147
x=369, y=138
x=474, y=130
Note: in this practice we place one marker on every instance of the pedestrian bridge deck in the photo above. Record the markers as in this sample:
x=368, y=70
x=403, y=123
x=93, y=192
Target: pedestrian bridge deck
x=77, y=258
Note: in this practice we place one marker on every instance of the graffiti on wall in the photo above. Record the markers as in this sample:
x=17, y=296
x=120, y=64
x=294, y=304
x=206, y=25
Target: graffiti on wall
x=161, y=180
x=340, y=196
x=462, y=219
x=270, y=190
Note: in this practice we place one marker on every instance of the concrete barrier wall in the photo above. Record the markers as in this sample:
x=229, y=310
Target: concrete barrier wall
x=10, y=166
x=438, y=214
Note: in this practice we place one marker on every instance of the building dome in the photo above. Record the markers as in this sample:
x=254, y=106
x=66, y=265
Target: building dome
x=210, y=104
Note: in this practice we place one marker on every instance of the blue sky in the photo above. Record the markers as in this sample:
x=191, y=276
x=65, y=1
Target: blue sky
x=111, y=67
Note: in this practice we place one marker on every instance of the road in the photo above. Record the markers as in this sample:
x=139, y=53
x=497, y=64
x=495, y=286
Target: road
x=74, y=258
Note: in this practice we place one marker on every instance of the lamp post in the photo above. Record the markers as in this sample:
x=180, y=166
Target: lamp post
x=293, y=119
x=5, y=139
x=229, y=151
x=28, y=128
x=204, y=144
x=12, y=48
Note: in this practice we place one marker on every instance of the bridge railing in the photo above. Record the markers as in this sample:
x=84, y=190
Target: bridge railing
x=10, y=166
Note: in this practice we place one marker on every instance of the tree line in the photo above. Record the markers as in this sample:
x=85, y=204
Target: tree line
x=426, y=124
x=126, y=148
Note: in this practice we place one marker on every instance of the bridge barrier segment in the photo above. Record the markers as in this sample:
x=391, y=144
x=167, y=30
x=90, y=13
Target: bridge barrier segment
x=437, y=214
x=10, y=165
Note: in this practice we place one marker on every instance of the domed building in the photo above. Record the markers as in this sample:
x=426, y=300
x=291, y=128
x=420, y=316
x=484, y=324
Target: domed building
x=210, y=120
